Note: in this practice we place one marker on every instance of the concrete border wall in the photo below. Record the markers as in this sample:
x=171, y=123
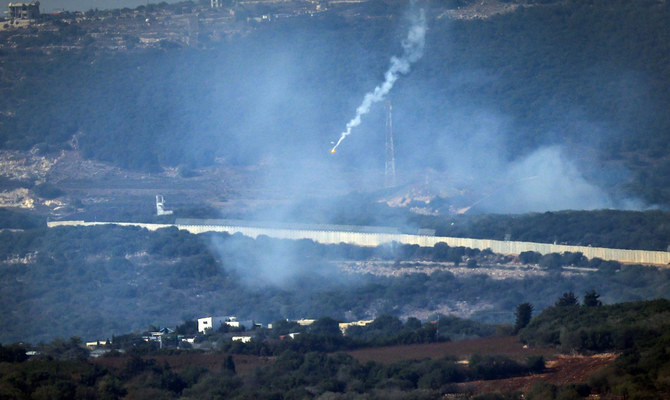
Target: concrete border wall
x=376, y=239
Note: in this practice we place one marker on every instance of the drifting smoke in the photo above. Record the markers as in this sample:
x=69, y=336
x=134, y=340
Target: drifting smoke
x=412, y=52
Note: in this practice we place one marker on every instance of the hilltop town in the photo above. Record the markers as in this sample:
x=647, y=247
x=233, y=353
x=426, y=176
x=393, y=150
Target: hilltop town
x=188, y=23
x=179, y=24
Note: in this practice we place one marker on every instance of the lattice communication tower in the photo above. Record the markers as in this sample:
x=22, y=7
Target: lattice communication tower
x=389, y=170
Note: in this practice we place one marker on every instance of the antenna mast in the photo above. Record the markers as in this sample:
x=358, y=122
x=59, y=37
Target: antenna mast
x=389, y=167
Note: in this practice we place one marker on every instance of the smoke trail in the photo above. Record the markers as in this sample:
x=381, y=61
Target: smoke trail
x=412, y=51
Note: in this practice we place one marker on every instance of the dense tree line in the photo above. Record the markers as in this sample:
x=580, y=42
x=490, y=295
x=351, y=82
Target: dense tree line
x=643, y=230
x=107, y=280
x=61, y=369
x=565, y=325
x=619, y=229
x=292, y=374
x=14, y=219
x=637, y=330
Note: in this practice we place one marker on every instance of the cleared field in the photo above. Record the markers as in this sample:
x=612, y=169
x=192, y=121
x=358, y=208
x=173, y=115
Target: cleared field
x=506, y=346
x=179, y=362
x=562, y=370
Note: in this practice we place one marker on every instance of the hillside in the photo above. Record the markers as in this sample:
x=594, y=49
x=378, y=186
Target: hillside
x=313, y=365
x=638, y=330
x=504, y=107
x=107, y=280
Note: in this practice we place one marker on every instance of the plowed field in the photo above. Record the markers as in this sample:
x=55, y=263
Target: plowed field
x=561, y=370
x=506, y=346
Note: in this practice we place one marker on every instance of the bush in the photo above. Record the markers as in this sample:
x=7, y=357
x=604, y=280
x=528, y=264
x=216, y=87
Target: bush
x=47, y=191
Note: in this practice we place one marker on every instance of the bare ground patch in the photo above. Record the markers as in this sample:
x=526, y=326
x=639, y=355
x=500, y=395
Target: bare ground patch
x=506, y=345
x=561, y=370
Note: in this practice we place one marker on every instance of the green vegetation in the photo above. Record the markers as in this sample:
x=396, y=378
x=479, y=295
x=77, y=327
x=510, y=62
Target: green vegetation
x=324, y=335
x=304, y=366
x=619, y=229
x=637, y=330
x=107, y=280
x=523, y=314
x=642, y=230
x=16, y=219
x=590, y=75
x=307, y=368
x=609, y=328
x=292, y=374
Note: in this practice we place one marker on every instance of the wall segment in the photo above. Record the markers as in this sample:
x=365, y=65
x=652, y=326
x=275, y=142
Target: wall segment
x=376, y=239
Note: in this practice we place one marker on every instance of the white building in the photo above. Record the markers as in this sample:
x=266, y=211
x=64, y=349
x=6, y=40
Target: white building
x=216, y=322
x=210, y=323
x=24, y=10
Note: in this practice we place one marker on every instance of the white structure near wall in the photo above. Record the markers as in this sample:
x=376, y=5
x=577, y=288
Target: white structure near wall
x=160, y=206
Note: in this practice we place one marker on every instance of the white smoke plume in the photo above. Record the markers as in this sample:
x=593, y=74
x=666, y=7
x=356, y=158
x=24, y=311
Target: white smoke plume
x=412, y=51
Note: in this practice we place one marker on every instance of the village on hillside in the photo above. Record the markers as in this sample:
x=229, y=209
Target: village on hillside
x=209, y=330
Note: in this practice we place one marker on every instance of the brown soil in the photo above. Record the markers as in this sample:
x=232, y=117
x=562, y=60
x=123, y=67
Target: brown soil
x=506, y=346
x=561, y=370
x=179, y=362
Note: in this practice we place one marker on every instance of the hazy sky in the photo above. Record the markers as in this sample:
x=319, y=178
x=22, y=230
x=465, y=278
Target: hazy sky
x=83, y=5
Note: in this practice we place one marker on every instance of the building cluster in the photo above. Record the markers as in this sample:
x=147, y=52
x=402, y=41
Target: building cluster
x=180, y=24
x=243, y=331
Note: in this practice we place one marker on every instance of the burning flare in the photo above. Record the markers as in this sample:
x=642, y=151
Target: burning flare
x=412, y=51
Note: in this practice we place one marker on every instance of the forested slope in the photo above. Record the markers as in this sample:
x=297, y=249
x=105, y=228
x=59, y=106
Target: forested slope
x=589, y=76
x=107, y=280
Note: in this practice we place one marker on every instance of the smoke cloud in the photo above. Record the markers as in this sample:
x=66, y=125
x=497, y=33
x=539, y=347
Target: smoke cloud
x=412, y=51
x=547, y=180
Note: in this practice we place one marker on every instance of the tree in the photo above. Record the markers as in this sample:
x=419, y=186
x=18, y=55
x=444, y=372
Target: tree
x=530, y=257
x=524, y=312
x=591, y=299
x=325, y=326
x=229, y=364
x=568, y=299
x=13, y=353
x=187, y=328
x=551, y=261
x=47, y=191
